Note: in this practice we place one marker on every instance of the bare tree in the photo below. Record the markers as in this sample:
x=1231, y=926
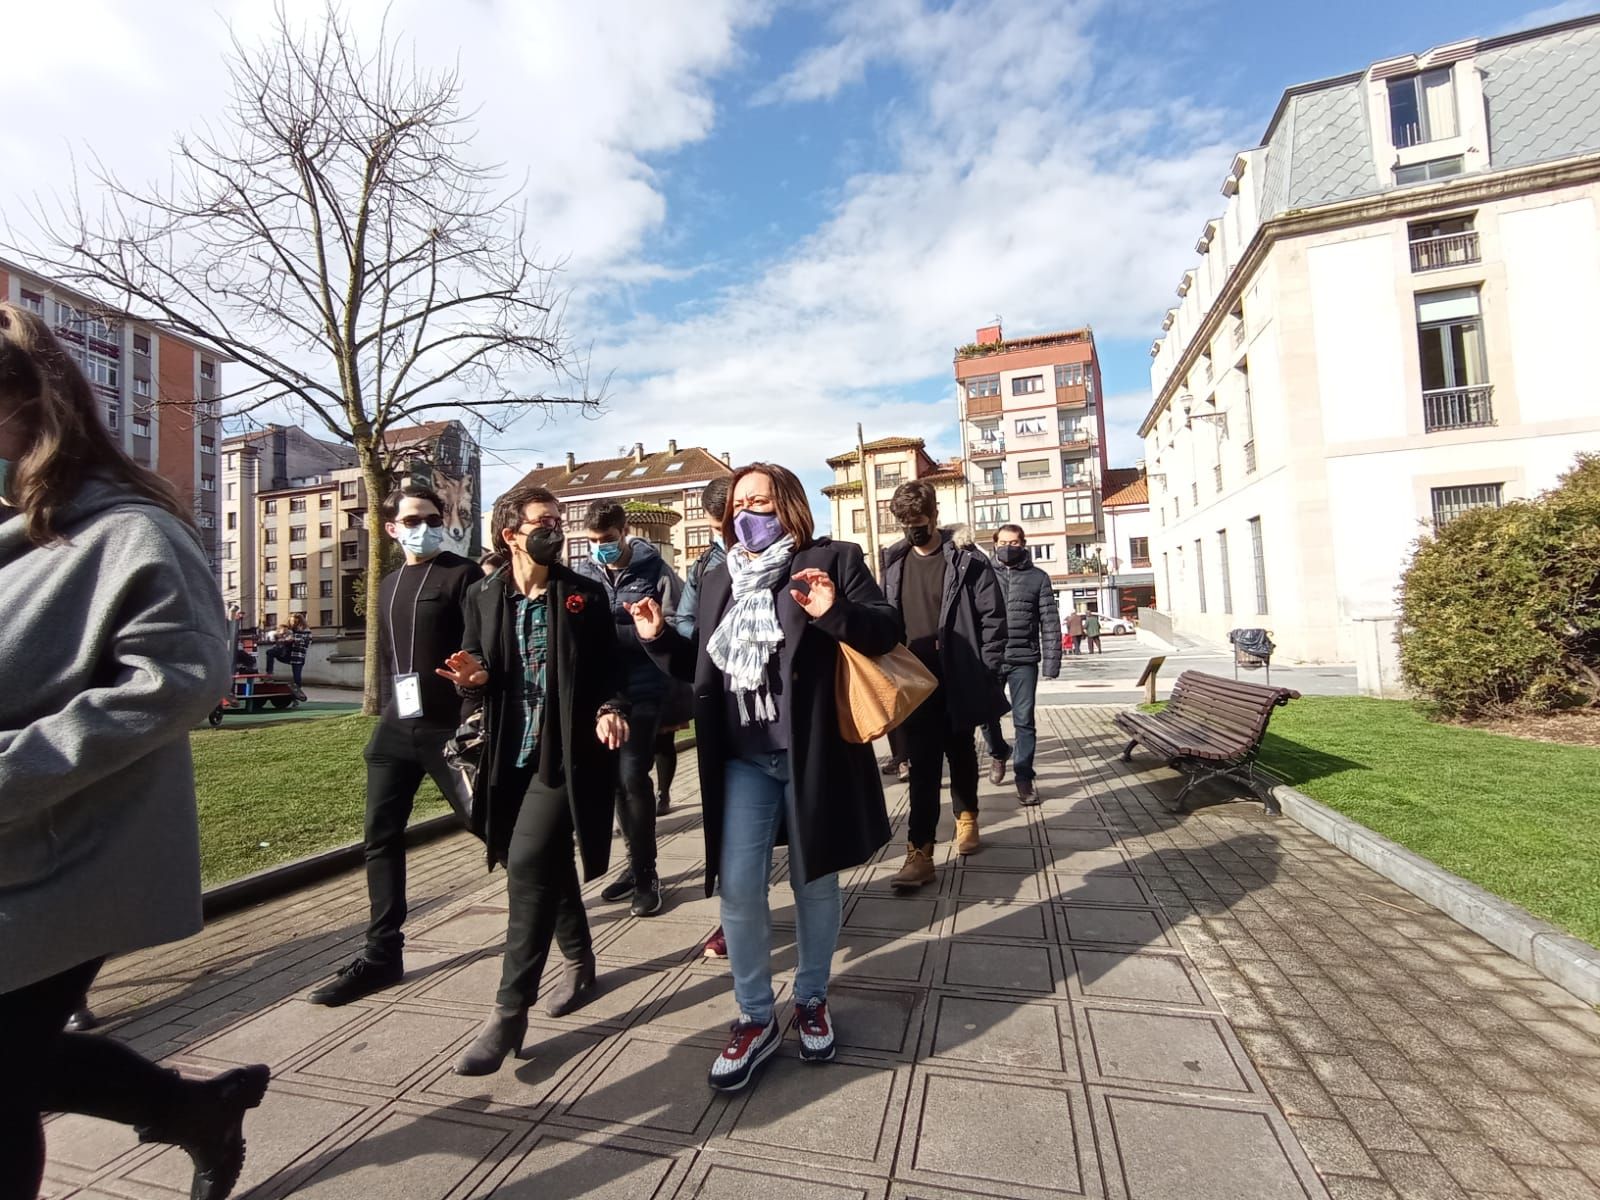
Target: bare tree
x=333, y=237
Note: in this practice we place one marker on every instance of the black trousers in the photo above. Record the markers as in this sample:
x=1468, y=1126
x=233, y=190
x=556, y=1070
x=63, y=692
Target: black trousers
x=636, y=801
x=398, y=756
x=931, y=740
x=544, y=894
x=666, y=761
x=43, y=1069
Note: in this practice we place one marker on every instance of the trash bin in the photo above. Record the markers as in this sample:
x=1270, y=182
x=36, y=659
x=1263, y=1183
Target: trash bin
x=1252, y=650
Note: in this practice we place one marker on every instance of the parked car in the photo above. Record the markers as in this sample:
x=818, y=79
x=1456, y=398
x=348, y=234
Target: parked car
x=1108, y=625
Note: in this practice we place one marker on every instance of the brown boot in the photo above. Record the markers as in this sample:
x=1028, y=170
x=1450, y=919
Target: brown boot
x=918, y=868
x=967, y=833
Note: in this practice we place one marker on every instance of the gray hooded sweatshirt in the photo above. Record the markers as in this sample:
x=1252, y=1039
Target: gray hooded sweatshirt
x=113, y=646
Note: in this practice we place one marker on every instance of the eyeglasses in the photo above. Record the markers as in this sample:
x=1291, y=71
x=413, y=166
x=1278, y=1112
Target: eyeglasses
x=553, y=524
x=432, y=521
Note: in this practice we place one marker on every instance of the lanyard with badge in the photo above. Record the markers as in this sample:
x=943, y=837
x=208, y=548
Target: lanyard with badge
x=407, y=683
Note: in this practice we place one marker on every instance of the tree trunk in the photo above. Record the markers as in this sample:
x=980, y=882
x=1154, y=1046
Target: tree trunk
x=377, y=489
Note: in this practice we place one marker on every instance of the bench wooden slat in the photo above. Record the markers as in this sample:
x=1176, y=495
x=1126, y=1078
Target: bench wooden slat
x=1211, y=724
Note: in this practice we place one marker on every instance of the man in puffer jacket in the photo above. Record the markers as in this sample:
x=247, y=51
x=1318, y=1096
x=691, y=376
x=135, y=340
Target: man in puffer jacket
x=1033, y=639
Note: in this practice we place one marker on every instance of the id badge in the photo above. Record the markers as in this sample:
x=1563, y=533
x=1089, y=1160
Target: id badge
x=408, y=695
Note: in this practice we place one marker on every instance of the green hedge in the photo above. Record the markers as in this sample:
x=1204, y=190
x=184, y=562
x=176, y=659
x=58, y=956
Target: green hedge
x=1501, y=608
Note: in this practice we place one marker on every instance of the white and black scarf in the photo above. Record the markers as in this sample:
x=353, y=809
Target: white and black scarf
x=749, y=635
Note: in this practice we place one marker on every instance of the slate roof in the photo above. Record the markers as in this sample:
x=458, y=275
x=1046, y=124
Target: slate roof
x=1543, y=97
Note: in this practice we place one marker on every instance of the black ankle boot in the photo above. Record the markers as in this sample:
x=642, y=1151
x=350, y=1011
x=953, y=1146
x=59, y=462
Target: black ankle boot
x=573, y=989
x=210, y=1128
x=502, y=1034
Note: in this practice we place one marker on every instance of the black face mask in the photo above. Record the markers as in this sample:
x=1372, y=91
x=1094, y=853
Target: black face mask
x=1012, y=556
x=544, y=546
x=919, y=535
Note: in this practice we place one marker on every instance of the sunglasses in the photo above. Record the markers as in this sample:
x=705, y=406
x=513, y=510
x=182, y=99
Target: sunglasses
x=432, y=521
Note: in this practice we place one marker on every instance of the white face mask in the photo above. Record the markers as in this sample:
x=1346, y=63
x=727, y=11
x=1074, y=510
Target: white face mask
x=421, y=540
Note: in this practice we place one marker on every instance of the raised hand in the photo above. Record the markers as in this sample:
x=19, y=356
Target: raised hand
x=647, y=619
x=463, y=670
x=820, y=594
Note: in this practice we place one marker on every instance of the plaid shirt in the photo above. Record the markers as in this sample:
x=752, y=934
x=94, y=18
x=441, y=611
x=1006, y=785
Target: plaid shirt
x=533, y=642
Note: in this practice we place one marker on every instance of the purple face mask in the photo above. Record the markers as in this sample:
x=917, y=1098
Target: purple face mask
x=757, y=531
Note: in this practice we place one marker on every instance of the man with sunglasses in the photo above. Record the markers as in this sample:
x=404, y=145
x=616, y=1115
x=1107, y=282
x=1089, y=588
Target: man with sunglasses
x=421, y=623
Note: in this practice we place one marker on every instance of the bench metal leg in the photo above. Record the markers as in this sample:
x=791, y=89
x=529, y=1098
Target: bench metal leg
x=1127, y=751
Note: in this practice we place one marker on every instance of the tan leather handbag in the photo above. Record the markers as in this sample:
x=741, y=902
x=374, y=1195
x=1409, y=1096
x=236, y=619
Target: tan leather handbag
x=876, y=694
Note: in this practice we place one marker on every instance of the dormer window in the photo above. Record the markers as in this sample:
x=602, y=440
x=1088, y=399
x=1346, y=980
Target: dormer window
x=1422, y=108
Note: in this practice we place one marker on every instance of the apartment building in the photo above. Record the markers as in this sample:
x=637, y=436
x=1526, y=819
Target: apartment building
x=158, y=390
x=662, y=491
x=1125, y=506
x=1382, y=331
x=294, y=516
x=859, y=498
x=1034, y=434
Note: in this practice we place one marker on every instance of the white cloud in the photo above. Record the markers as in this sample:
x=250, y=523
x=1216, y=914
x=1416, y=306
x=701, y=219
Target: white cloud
x=1006, y=186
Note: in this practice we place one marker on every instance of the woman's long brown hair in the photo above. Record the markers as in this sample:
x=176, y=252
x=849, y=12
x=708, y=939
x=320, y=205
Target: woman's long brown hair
x=67, y=442
x=788, y=498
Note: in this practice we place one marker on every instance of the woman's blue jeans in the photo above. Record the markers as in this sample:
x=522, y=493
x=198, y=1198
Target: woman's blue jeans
x=757, y=793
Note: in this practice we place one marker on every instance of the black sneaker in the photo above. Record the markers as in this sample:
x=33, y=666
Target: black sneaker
x=750, y=1045
x=816, y=1031
x=646, y=898
x=361, y=978
x=890, y=767
x=663, y=804
x=619, y=888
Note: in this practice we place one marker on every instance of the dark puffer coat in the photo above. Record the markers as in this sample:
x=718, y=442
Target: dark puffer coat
x=1033, y=622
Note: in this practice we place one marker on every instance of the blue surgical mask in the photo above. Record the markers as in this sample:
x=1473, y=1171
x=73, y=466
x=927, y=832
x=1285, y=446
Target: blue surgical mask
x=421, y=540
x=757, y=530
x=607, y=553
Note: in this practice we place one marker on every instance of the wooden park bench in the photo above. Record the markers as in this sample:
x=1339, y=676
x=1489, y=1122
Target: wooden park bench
x=1211, y=726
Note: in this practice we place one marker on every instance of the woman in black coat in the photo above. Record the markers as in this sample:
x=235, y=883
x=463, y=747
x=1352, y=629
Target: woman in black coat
x=763, y=660
x=541, y=652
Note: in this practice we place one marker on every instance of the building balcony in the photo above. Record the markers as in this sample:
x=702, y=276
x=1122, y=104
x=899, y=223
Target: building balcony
x=1139, y=564
x=1080, y=529
x=1077, y=441
x=1446, y=250
x=1076, y=483
x=984, y=406
x=986, y=447
x=1073, y=395
x=984, y=490
x=990, y=524
x=1457, y=408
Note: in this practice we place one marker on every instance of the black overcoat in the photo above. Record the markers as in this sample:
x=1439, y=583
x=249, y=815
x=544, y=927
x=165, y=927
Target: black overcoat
x=583, y=674
x=972, y=631
x=836, y=810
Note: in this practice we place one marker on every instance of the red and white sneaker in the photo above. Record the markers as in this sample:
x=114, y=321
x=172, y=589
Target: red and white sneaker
x=816, y=1031
x=750, y=1045
x=716, y=945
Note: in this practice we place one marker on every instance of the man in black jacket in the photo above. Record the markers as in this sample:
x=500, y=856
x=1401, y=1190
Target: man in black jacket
x=955, y=623
x=1033, y=633
x=630, y=569
x=420, y=621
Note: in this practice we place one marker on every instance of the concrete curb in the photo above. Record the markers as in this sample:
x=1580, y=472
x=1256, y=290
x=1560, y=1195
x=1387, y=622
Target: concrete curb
x=1555, y=954
x=314, y=868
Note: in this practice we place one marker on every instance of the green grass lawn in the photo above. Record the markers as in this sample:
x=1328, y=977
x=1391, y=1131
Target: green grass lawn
x=278, y=792
x=1520, y=818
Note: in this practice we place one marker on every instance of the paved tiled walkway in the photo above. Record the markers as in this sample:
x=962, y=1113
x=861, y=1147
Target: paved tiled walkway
x=1106, y=1001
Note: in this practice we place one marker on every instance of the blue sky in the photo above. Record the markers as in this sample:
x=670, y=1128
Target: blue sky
x=778, y=219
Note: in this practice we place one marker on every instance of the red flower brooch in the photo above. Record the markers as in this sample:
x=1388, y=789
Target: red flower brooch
x=575, y=603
